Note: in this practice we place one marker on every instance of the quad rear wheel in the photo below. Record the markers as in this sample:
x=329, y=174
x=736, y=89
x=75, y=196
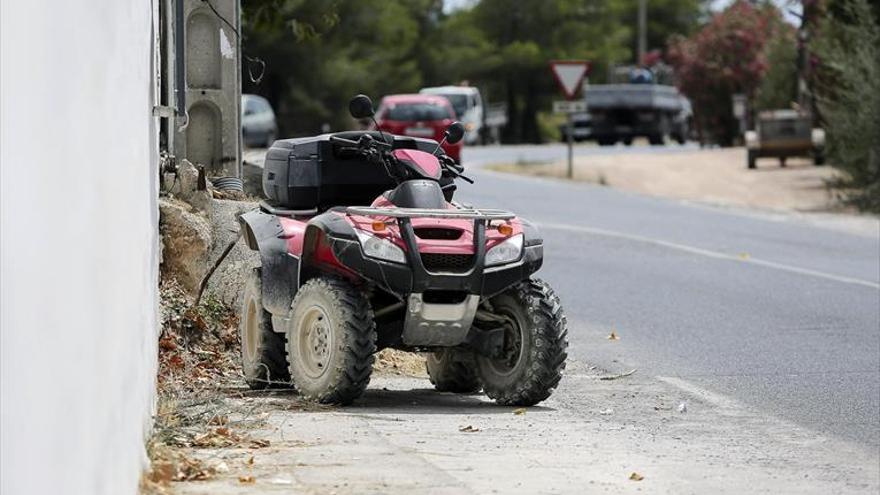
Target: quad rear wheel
x=453, y=370
x=535, y=343
x=331, y=339
x=262, y=350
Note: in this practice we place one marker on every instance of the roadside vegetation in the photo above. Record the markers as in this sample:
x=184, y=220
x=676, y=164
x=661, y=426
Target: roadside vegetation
x=207, y=423
x=319, y=53
x=731, y=54
x=847, y=85
x=747, y=49
x=197, y=380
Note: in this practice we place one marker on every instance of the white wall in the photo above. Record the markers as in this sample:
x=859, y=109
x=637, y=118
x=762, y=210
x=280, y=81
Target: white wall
x=78, y=244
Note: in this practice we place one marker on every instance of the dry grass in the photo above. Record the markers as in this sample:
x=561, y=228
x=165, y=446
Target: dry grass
x=198, y=385
x=206, y=418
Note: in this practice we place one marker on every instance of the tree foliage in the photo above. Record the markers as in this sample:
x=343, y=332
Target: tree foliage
x=320, y=52
x=664, y=18
x=778, y=88
x=847, y=87
x=729, y=55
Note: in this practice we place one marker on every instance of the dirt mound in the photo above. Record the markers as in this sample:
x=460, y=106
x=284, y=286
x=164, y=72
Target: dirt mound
x=394, y=362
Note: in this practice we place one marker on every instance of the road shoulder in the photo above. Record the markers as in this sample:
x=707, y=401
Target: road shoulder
x=713, y=176
x=593, y=434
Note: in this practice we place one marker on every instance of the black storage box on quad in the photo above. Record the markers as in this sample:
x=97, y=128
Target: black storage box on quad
x=312, y=172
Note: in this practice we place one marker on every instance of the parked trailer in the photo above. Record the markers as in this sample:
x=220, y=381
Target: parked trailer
x=782, y=134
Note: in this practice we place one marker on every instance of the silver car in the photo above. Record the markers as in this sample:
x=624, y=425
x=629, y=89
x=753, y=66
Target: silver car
x=258, y=126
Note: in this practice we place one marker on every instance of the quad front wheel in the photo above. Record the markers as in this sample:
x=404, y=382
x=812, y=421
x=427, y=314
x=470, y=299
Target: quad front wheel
x=534, y=351
x=331, y=338
x=262, y=350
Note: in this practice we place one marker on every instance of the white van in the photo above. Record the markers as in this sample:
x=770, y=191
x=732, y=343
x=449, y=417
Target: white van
x=468, y=106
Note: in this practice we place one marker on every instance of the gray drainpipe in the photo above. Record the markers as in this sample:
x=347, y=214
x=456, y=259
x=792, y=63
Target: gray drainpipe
x=180, y=65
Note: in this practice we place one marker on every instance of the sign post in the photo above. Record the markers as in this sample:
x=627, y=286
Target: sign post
x=569, y=74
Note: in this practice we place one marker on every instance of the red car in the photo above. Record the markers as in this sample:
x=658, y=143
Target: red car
x=424, y=116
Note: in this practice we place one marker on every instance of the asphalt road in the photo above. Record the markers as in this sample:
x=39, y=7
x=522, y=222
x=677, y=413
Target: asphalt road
x=773, y=310
x=558, y=151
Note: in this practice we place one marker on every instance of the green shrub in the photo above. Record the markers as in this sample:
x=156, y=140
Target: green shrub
x=847, y=90
x=778, y=89
x=548, y=126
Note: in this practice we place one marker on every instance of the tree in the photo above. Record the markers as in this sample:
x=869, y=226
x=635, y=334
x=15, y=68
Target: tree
x=725, y=57
x=847, y=87
x=778, y=88
x=319, y=54
x=665, y=18
x=520, y=38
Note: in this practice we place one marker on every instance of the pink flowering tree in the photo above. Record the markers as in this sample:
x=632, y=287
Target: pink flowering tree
x=726, y=57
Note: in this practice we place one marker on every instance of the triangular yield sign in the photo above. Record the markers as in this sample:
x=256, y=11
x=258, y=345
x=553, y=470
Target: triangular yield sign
x=569, y=75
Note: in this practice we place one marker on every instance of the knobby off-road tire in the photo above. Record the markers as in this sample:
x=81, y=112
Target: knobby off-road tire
x=527, y=374
x=263, y=352
x=331, y=339
x=453, y=370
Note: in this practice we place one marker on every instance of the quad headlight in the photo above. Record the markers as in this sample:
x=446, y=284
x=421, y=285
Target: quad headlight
x=377, y=247
x=506, y=252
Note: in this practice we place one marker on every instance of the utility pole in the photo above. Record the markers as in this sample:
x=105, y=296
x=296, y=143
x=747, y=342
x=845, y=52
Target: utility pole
x=809, y=11
x=643, y=31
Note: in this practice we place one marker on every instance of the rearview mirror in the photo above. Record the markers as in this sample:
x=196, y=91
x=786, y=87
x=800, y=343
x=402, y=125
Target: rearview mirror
x=361, y=107
x=454, y=133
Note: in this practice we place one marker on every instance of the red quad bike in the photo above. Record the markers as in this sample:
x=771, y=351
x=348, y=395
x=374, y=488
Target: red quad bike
x=414, y=270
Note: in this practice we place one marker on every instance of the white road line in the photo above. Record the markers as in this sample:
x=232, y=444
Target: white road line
x=710, y=254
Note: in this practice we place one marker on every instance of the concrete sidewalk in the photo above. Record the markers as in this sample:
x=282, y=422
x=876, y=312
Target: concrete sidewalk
x=591, y=436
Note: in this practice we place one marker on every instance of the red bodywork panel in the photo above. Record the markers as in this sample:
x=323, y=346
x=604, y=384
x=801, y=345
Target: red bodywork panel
x=294, y=231
x=423, y=162
x=462, y=245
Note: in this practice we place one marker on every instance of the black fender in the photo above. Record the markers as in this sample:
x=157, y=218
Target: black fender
x=531, y=235
x=323, y=229
x=280, y=270
x=498, y=279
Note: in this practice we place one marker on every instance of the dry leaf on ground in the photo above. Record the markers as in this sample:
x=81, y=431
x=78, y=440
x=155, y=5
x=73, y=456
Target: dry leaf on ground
x=615, y=377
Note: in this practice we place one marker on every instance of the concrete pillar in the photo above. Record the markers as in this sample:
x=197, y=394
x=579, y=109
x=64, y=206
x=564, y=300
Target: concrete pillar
x=210, y=134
